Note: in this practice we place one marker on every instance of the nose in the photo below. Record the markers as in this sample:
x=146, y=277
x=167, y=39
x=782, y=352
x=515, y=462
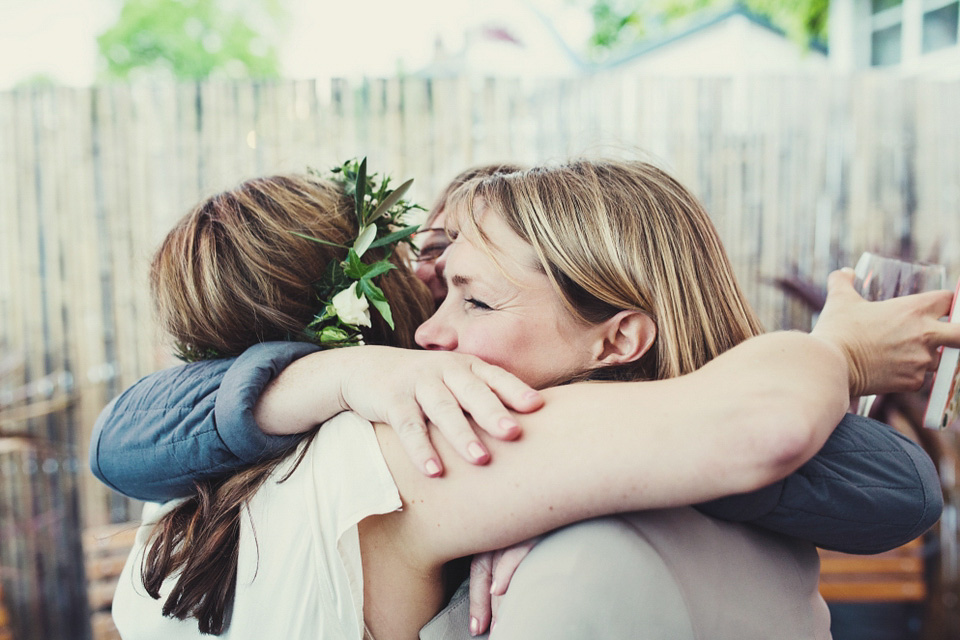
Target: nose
x=436, y=334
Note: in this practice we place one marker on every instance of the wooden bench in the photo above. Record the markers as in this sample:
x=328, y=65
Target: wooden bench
x=105, y=551
x=6, y=632
x=894, y=576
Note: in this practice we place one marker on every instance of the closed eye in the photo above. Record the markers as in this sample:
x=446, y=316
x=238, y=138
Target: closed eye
x=477, y=304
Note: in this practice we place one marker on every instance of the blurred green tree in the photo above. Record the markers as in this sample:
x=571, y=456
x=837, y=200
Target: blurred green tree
x=617, y=24
x=192, y=39
x=38, y=80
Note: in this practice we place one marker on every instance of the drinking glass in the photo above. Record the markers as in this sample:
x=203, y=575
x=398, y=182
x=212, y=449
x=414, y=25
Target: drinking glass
x=880, y=278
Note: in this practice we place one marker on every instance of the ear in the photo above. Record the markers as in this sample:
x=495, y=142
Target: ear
x=625, y=337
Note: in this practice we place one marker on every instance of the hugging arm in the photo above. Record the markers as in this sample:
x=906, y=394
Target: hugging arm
x=869, y=489
x=189, y=423
x=889, y=487
x=579, y=458
x=210, y=418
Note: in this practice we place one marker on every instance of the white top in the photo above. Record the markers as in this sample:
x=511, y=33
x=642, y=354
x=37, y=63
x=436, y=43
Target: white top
x=299, y=572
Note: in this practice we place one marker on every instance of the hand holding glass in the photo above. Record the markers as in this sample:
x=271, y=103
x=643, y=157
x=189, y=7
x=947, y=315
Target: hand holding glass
x=880, y=278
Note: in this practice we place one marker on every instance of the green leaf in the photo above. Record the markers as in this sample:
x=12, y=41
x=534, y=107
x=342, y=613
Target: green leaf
x=390, y=200
x=367, y=235
x=377, y=299
x=372, y=291
x=361, y=190
x=333, y=279
x=318, y=240
x=384, y=308
x=396, y=236
x=353, y=267
x=378, y=268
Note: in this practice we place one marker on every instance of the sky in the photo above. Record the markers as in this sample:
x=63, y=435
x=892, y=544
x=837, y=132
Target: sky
x=56, y=38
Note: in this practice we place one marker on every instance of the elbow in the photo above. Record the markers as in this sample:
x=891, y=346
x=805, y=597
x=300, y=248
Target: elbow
x=94, y=459
x=782, y=436
x=930, y=504
x=784, y=447
x=788, y=399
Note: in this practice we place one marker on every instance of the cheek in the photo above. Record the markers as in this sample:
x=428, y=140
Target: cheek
x=515, y=347
x=494, y=342
x=492, y=347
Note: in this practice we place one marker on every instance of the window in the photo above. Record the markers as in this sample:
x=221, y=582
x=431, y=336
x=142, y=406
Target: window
x=885, y=46
x=940, y=27
x=876, y=6
x=912, y=34
x=886, y=32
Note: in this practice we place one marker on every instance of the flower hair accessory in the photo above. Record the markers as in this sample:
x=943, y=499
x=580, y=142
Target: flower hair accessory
x=347, y=291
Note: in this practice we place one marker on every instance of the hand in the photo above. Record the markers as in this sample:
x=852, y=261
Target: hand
x=889, y=345
x=490, y=575
x=404, y=388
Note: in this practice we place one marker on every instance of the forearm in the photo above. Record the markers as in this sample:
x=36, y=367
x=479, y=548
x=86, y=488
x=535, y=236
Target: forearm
x=306, y=393
x=188, y=423
x=603, y=448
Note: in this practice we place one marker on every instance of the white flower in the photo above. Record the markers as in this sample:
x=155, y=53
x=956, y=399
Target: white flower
x=350, y=308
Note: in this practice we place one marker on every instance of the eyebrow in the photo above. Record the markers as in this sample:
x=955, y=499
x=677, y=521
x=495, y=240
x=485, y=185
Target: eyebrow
x=431, y=230
x=460, y=281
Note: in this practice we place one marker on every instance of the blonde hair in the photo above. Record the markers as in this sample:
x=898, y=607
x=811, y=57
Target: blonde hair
x=465, y=176
x=615, y=236
x=232, y=273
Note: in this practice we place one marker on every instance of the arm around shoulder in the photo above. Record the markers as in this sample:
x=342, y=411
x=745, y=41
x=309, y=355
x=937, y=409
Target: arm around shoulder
x=868, y=490
x=187, y=423
x=611, y=447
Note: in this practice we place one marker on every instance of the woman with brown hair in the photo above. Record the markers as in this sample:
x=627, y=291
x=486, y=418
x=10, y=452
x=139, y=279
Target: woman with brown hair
x=578, y=458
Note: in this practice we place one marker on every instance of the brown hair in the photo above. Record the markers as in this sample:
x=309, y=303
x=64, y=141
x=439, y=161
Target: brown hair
x=232, y=273
x=229, y=275
x=616, y=236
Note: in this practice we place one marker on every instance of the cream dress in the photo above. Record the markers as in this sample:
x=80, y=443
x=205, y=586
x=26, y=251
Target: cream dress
x=299, y=571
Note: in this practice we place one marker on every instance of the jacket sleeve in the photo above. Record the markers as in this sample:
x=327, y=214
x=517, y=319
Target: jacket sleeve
x=188, y=423
x=870, y=489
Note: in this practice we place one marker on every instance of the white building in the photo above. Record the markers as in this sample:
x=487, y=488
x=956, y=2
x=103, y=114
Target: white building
x=512, y=39
x=733, y=41
x=915, y=36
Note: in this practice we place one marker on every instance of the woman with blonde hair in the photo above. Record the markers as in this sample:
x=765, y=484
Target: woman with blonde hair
x=327, y=549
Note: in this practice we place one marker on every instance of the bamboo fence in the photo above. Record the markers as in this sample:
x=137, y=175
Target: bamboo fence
x=800, y=174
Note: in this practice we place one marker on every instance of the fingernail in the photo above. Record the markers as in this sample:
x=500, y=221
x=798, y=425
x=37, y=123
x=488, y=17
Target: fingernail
x=433, y=467
x=509, y=425
x=532, y=395
x=474, y=626
x=493, y=588
x=477, y=451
